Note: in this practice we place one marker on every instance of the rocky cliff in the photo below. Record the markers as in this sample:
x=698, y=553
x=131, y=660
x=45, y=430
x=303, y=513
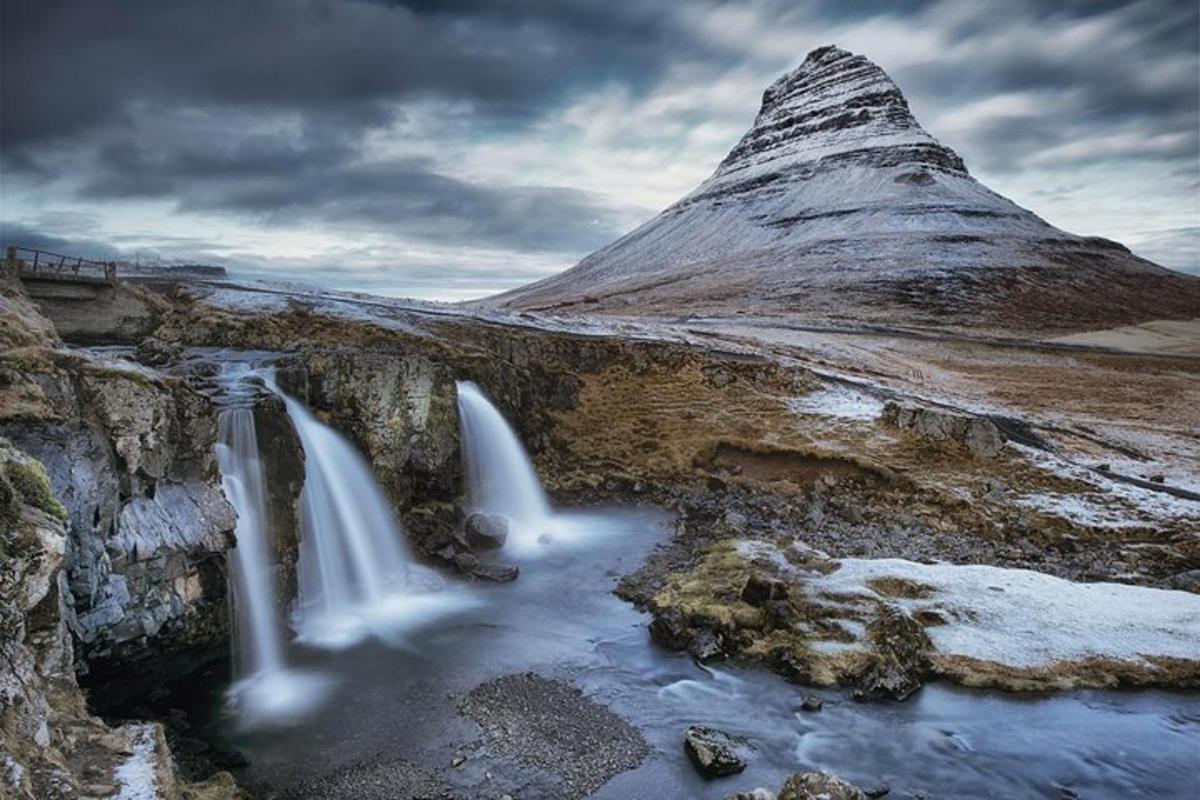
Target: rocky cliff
x=837, y=204
x=129, y=452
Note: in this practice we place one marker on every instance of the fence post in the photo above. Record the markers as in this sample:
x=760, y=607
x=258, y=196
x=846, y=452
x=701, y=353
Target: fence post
x=110, y=272
x=12, y=267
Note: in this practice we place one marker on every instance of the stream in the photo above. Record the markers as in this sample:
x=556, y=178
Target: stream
x=560, y=619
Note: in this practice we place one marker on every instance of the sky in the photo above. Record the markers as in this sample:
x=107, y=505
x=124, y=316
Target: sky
x=451, y=150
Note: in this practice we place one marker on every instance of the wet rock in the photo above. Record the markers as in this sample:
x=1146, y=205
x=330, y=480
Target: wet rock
x=713, y=752
x=878, y=790
x=157, y=353
x=979, y=435
x=812, y=703
x=902, y=651
x=756, y=794
x=472, y=565
x=819, y=786
x=486, y=531
x=706, y=645
x=496, y=573
x=669, y=629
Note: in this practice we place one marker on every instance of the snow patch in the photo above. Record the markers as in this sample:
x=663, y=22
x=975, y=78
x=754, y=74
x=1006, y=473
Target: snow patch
x=838, y=401
x=1022, y=618
x=137, y=776
x=1113, y=504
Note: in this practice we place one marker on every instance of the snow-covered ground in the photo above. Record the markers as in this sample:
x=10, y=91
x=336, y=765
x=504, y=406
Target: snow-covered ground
x=1022, y=618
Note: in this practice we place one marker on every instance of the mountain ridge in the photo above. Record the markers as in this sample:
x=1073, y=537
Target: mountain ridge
x=836, y=203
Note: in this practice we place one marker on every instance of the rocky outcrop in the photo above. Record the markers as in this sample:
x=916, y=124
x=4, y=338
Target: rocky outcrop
x=979, y=435
x=98, y=313
x=837, y=204
x=50, y=747
x=130, y=454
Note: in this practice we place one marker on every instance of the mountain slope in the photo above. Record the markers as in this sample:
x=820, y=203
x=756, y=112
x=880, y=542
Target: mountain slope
x=837, y=204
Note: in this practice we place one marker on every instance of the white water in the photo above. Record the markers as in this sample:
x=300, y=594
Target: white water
x=265, y=690
x=356, y=574
x=258, y=638
x=500, y=476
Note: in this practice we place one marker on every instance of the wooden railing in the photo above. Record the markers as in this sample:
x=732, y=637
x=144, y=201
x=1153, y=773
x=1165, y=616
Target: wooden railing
x=34, y=263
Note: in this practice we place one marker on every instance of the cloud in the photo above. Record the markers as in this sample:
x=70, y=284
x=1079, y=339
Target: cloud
x=489, y=141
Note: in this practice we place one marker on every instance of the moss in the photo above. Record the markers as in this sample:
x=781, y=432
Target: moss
x=28, y=479
x=104, y=373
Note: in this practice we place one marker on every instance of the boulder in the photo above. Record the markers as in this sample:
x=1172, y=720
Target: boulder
x=486, y=531
x=819, y=786
x=979, y=435
x=902, y=649
x=157, y=353
x=713, y=752
x=754, y=794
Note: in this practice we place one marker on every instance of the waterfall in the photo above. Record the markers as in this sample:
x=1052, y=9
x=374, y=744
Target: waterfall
x=258, y=638
x=266, y=692
x=356, y=574
x=500, y=476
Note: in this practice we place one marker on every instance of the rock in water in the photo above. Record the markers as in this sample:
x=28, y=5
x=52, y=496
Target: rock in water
x=713, y=752
x=837, y=198
x=486, y=531
x=819, y=786
x=902, y=650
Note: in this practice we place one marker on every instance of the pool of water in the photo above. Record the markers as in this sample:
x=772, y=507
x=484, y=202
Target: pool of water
x=396, y=695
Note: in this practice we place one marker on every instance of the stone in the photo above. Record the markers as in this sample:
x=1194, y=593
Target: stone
x=979, y=435
x=878, y=790
x=812, y=703
x=706, y=645
x=819, y=786
x=902, y=661
x=755, y=794
x=713, y=752
x=759, y=590
x=735, y=521
x=157, y=353
x=496, y=573
x=486, y=531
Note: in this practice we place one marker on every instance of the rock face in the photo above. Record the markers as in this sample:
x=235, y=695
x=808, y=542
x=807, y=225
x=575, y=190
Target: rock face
x=130, y=454
x=836, y=198
x=51, y=747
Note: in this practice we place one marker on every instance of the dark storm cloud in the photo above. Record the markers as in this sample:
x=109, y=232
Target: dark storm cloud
x=70, y=66
x=266, y=111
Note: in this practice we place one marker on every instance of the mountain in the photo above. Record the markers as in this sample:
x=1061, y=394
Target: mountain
x=837, y=204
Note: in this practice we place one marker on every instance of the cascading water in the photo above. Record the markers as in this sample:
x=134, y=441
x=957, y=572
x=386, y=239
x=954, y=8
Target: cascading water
x=258, y=637
x=356, y=576
x=500, y=476
x=265, y=690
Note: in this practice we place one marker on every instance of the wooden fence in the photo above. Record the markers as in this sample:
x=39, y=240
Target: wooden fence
x=32, y=263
